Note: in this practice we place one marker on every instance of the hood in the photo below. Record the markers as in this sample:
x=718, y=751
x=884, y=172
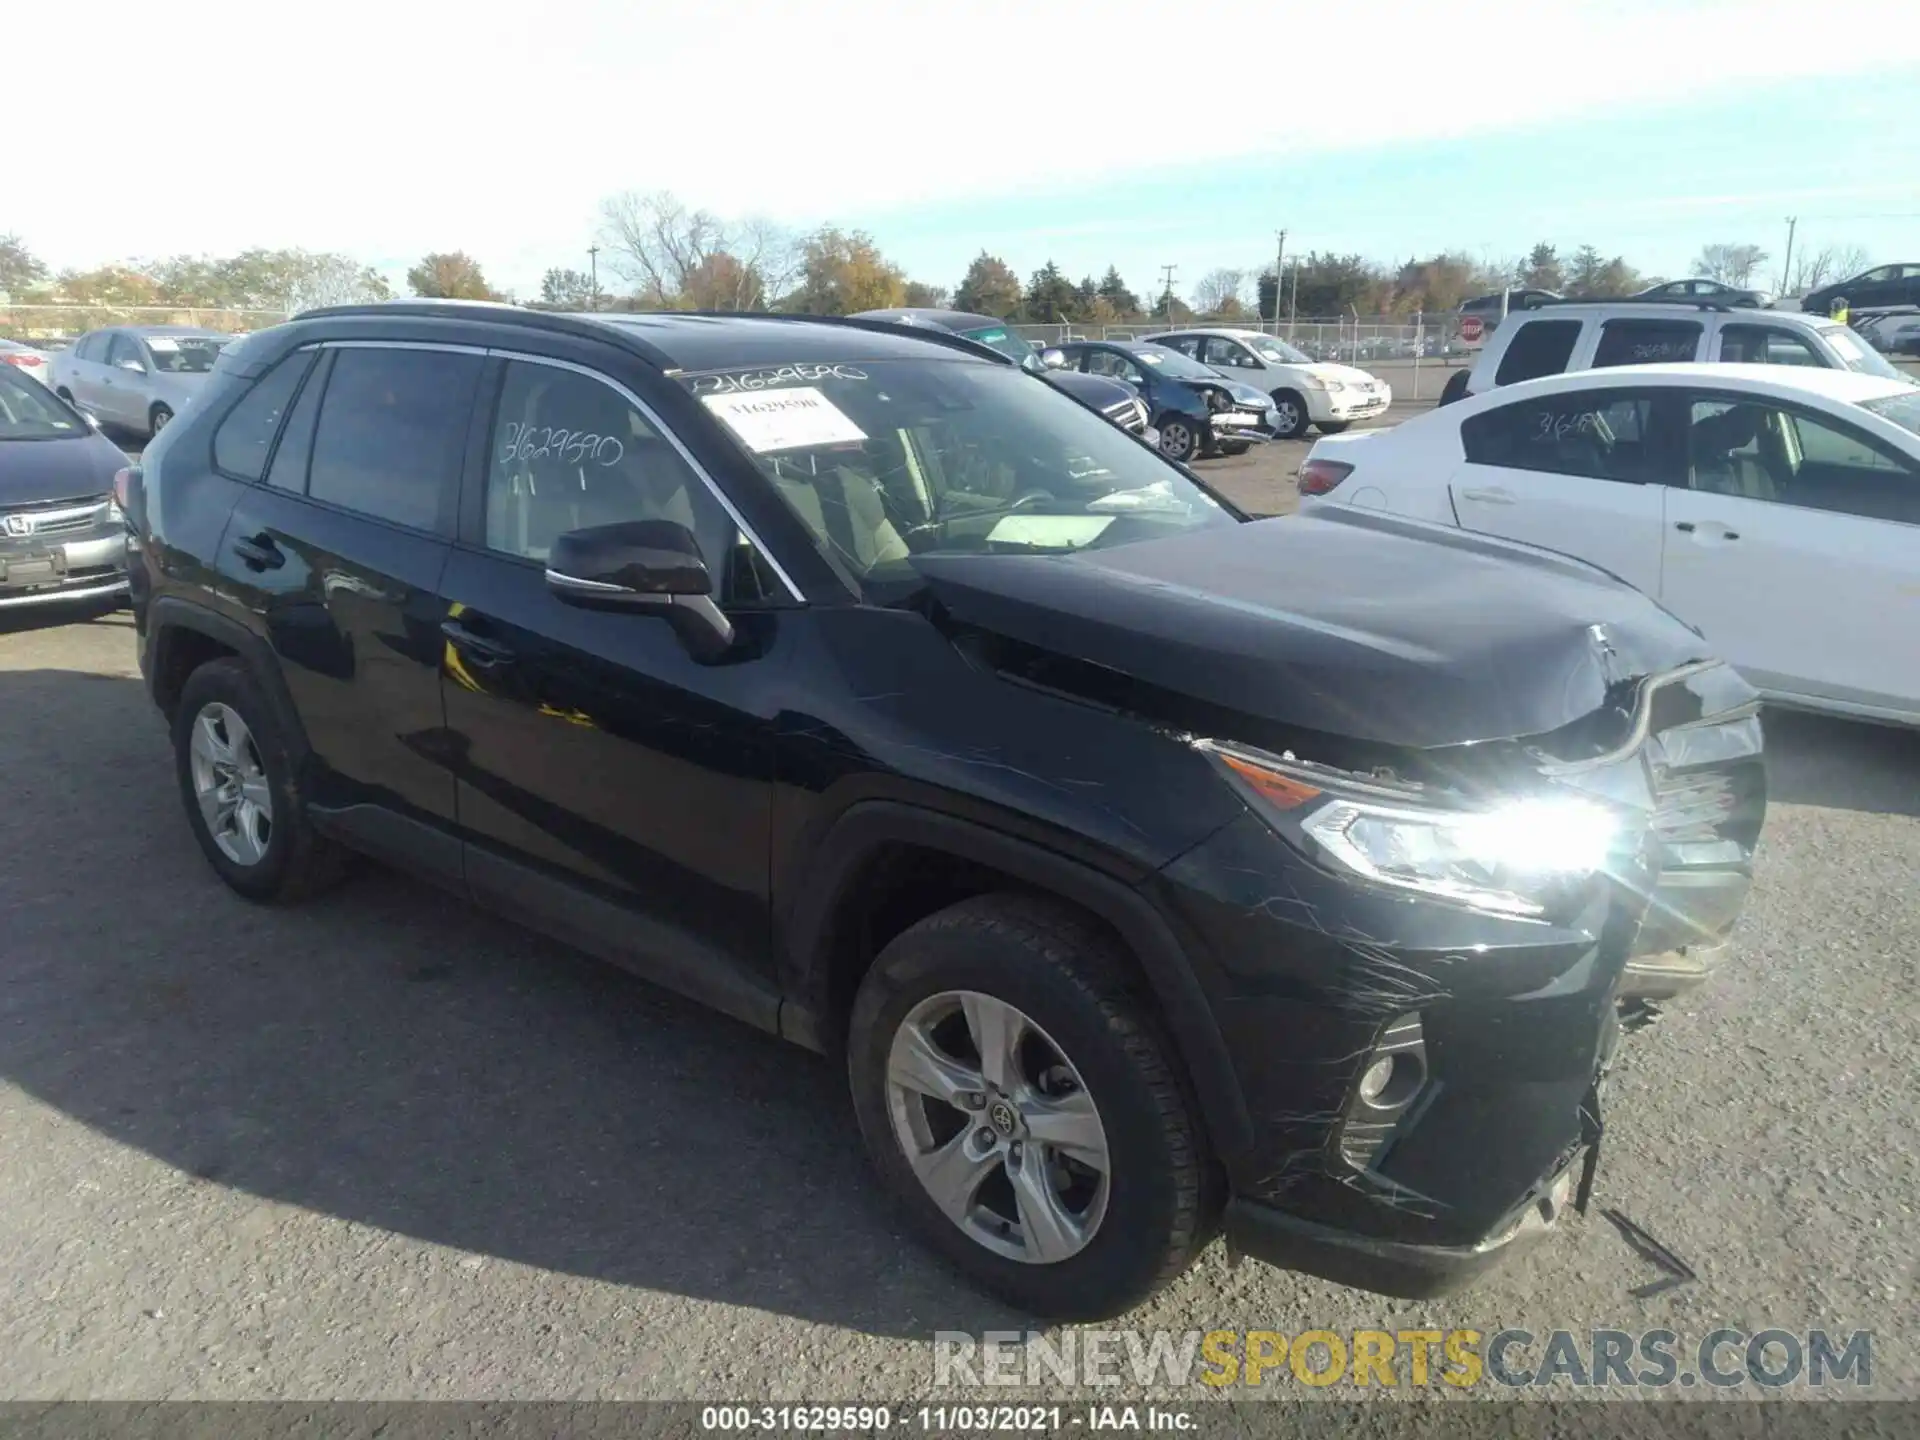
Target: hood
x=35, y=470
x=1094, y=390
x=1244, y=393
x=1345, y=374
x=1350, y=623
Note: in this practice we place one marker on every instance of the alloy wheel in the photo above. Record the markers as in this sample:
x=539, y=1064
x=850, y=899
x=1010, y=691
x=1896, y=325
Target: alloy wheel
x=161, y=415
x=1287, y=418
x=230, y=784
x=1176, y=440
x=998, y=1126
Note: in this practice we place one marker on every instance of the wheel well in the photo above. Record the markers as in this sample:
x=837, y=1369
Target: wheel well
x=181, y=652
x=895, y=887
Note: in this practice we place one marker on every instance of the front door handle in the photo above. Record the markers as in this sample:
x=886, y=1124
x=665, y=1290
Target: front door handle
x=1687, y=527
x=1489, y=497
x=481, y=651
x=259, y=552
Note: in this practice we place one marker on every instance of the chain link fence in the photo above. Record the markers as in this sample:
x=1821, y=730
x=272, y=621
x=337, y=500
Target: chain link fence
x=1350, y=341
x=59, y=324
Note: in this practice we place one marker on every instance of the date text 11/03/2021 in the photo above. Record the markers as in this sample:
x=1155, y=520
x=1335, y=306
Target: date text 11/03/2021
x=943, y=1419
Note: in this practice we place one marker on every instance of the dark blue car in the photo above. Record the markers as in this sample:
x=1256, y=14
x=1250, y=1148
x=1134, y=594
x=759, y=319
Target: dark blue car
x=1197, y=410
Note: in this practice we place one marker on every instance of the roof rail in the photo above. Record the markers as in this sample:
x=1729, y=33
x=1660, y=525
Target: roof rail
x=596, y=326
x=1686, y=301
x=935, y=333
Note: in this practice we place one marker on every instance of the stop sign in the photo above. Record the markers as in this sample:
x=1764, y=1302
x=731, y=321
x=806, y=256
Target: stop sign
x=1472, y=329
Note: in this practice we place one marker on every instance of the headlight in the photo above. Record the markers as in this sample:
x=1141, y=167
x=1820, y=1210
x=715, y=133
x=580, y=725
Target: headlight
x=1517, y=858
x=1219, y=400
x=1336, y=385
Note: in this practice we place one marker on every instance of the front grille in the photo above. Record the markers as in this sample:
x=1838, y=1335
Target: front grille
x=1130, y=415
x=52, y=517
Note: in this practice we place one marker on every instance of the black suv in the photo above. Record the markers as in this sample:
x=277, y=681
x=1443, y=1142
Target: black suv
x=1151, y=872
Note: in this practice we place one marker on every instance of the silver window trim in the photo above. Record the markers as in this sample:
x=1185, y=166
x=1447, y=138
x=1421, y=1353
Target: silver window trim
x=398, y=345
x=653, y=419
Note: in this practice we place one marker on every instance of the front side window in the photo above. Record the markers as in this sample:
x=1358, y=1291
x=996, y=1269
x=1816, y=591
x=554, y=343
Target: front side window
x=1646, y=342
x=245, y=437
x=1767, y=345
x=1231, y=353
x=1762, y=451
x=392, y=432
x=1595, y=434
x=124, y=354
x=889, y=461
x=1278, y=352
x=1113, y=365
x=999, y=337
x=1538, y=347
x=570, y=452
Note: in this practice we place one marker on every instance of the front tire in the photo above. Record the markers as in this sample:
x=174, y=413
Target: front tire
x=1235, y=447
x=236, y=779
x=1455, y=388
x=1021, y=1105
x=1290, y=415
x=158, y=419
x=1179, y=440
x=1332, y=427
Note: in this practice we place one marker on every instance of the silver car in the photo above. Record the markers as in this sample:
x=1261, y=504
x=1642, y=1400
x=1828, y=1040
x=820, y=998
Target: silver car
x=136, y=378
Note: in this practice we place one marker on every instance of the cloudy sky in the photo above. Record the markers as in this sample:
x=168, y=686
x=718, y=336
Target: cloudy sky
x=1124, y=132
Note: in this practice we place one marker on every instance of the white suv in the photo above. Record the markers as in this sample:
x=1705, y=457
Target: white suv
x=1305, y=391
x=1560, y=336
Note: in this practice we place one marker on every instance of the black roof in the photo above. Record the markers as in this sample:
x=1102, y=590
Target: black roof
x=923, y=315
x=702, y=340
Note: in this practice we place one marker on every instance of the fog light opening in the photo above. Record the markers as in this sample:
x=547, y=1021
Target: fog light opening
x=1391, y=1081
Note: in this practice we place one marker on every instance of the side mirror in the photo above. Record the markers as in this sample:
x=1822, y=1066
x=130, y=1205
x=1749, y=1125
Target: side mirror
x=1053, y=359
x=134, y=365
x=651, y=565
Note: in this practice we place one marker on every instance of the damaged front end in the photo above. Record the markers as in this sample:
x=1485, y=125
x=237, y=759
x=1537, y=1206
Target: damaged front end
x=1421, y=962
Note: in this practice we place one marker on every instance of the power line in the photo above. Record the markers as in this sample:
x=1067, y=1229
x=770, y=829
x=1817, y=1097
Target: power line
x=1167, y=273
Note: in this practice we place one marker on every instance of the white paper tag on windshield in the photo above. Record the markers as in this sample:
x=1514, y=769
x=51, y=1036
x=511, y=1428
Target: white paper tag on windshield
x=1049, y=532
x=768, y=420
x=162, y=344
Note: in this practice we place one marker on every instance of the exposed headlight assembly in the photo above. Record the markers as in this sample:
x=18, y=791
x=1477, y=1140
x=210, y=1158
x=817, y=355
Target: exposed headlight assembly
x=1519, y=857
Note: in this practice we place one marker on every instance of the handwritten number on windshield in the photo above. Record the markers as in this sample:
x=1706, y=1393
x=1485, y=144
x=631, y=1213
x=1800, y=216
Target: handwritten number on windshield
x=767, y=379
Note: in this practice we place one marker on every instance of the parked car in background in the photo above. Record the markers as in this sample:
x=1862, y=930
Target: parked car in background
x=1596, y=334
x=1195, y=410
x=1891, y=332
x=1713, y=290
x=1147, y=873
x=137, y=377
x=1884, y=285
x=1776, y=509
x=1120, y=403
x=62, y=539
x=27, y=359
x=1486, y=310
x=1304, y=391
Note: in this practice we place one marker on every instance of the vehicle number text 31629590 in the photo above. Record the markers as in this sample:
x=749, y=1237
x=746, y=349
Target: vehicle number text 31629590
x=926, y=1419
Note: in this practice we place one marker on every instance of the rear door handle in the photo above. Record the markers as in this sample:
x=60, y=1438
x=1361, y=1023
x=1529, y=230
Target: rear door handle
x=483, y=652
x=259, y=552
x=1489, y=497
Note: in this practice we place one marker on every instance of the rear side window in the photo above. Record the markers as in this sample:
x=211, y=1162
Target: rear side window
x=392, y=432
x=1538, y=347
x=290, y=456
x=1646, y=342
x=1595, y=434
x=245, y=438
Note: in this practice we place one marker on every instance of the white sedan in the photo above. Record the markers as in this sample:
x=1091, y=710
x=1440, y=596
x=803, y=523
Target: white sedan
x=1775, y=509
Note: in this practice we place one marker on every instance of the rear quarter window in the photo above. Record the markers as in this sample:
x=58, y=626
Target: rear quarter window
x=1538, y=347
x=245, y=438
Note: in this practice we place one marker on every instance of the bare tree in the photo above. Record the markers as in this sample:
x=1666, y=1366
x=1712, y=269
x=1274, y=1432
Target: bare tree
x=1829, y=263
x=1730, y=264
x=1220, y=290
x=672, y=254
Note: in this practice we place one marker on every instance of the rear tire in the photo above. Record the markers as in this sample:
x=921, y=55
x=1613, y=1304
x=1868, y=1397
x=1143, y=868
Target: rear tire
x=236, y=780
x=158, y=419
x=1085, y=1038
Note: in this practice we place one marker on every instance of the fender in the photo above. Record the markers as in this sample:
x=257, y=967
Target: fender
x=868, y=825
x=169, y=615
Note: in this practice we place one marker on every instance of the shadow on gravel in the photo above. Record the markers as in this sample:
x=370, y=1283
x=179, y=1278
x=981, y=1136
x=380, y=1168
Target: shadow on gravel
x=1842, y=764
x=389, y=1056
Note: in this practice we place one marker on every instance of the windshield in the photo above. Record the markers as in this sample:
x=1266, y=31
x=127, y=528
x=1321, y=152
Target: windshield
x=186, y=354
x=1856, y=354
x=29, y=411
x=1172, y=362
x=1000, y=338
x=887, y=461
x=1279, y=352
x=1902, y=410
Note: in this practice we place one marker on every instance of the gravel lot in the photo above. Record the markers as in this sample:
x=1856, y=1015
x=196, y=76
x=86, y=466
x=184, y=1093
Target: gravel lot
x=382, y=1147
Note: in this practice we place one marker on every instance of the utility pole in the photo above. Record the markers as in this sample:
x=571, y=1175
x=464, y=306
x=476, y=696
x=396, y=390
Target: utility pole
x=1786, y=266
x=1293, y=299
x=593, y=270
x=1167, y=272
x=1279, y=275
